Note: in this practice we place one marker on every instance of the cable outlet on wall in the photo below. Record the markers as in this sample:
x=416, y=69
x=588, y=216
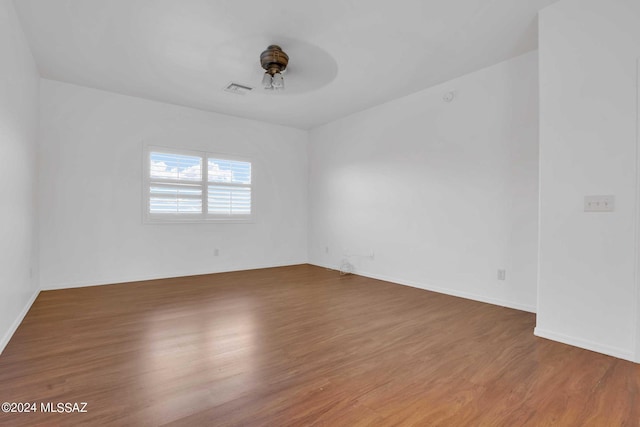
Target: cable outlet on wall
x=502, y=274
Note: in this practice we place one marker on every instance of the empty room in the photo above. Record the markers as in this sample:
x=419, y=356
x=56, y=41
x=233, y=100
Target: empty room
x=339, y=213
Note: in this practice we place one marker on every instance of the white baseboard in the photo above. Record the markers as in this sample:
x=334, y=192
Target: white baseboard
x=443, y=290
x=14, y=326
x=586, y=344
x=140, y=278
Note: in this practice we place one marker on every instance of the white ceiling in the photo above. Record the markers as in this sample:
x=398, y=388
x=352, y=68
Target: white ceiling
x=345, y=55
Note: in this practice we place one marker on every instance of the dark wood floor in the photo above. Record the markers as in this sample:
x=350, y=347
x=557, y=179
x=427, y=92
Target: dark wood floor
x=301, y=346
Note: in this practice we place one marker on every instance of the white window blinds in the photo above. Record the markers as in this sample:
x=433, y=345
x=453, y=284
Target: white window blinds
x=196, y=186
x=229, y=187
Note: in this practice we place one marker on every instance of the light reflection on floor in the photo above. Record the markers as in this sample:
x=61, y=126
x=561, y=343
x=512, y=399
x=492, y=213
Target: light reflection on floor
x=220, y=353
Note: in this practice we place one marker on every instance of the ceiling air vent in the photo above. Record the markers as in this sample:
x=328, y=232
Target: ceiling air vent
x=237, y=88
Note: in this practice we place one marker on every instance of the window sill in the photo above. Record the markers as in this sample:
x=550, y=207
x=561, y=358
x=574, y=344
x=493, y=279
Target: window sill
x=163, y=221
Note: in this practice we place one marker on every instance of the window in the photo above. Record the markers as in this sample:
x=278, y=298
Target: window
x=194, y=186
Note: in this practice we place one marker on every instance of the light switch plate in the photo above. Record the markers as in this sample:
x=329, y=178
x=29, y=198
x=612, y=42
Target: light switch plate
x=599, y=203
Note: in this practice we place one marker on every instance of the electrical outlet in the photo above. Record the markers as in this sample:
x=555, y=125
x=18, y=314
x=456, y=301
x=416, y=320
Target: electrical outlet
x=599, y=203
x=216, y=252
x=326, y=249
x=502, y=274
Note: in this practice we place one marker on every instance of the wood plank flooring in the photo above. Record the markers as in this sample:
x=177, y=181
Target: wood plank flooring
x=301, y=346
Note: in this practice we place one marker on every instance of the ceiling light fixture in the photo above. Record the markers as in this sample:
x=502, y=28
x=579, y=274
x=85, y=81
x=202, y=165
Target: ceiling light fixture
x=274, y=61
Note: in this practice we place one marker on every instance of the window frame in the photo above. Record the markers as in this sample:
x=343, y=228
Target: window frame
x=204, y=183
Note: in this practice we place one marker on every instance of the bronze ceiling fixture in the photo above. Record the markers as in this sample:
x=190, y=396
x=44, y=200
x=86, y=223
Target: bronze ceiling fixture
x=274, y=60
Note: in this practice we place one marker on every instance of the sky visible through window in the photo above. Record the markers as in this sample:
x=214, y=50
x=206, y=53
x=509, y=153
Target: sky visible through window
x=176, y=185
x=176, y=166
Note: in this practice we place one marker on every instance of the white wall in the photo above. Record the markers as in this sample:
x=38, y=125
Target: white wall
x=18, y=126
x=588, y=146
x=443, y=194
x=91, y=190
